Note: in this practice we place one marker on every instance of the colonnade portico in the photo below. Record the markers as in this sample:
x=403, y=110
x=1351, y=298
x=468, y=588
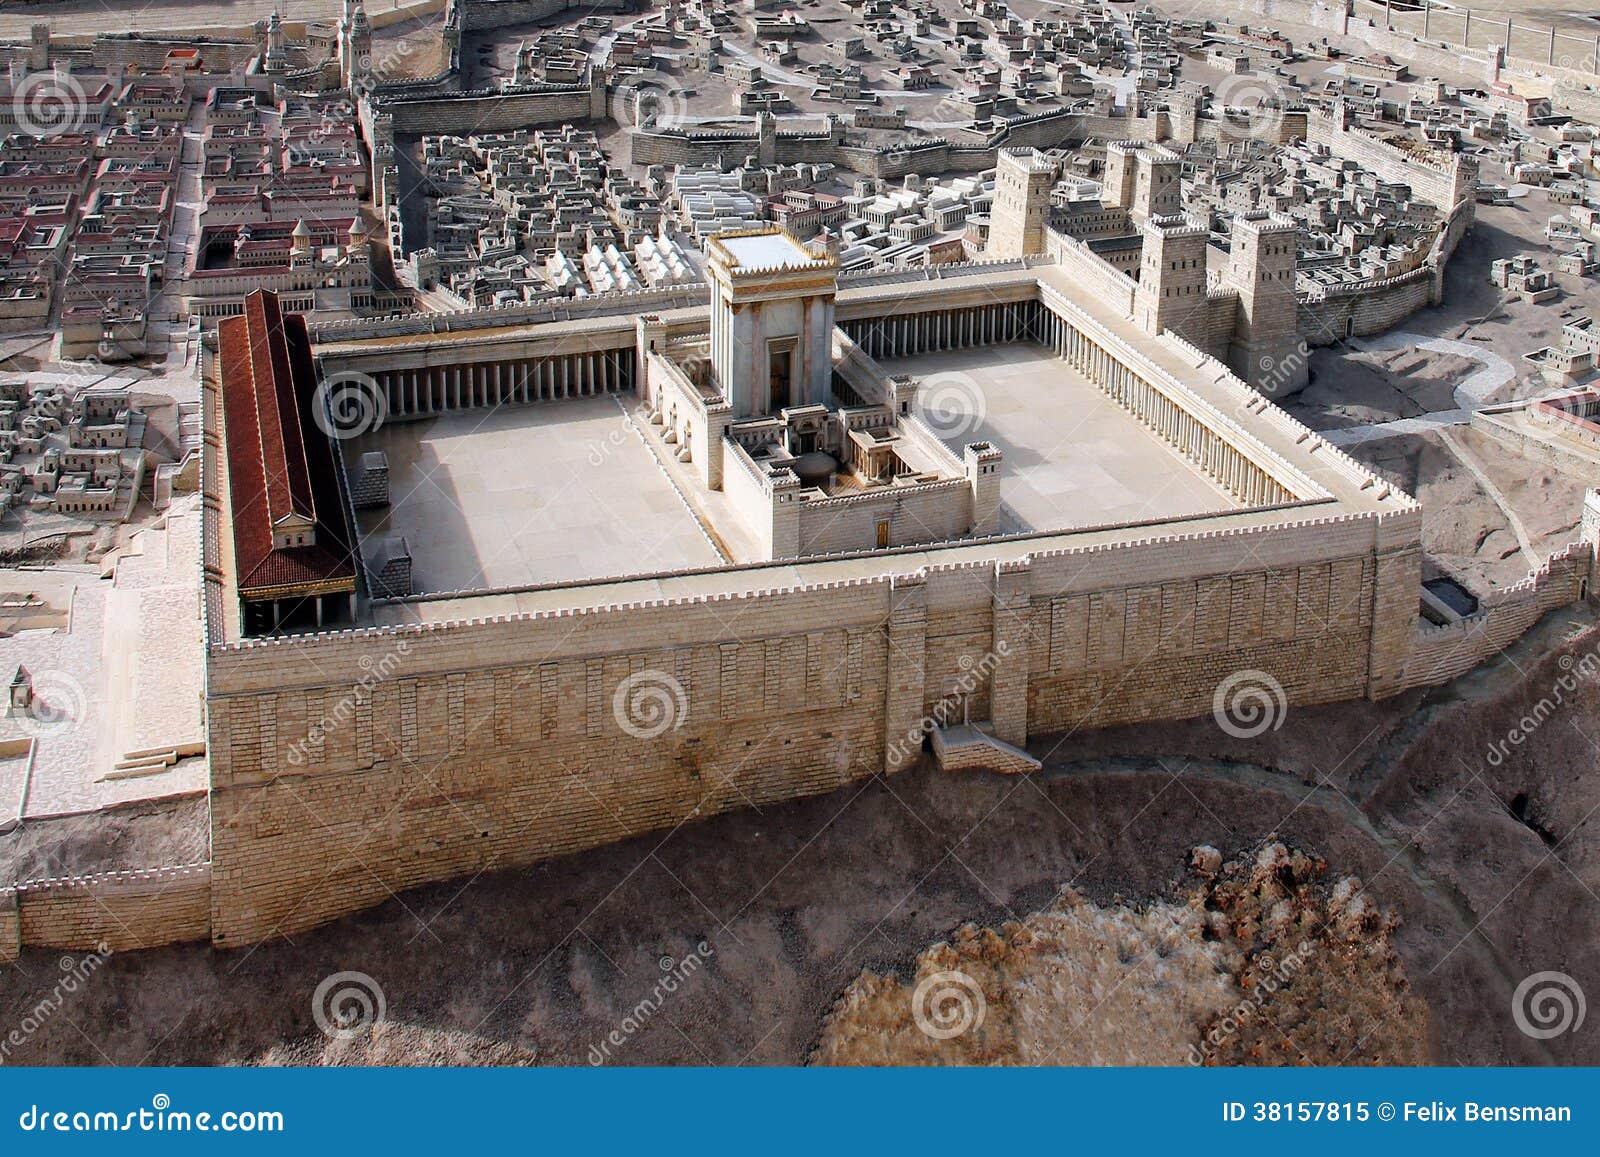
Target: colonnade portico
x=999, y=323
x=903, y=335
x=1173, y=423
x=443, y=389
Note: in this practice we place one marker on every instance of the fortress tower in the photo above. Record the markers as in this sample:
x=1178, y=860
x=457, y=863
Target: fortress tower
x=275, y=60
x=355, y=44
x=1143, y=179
x=1022, y=182
x=1172, y=276
x=1158, y=186
x=766, y=138
x=771, y=321
x=1117, y=180
x=1267, y=350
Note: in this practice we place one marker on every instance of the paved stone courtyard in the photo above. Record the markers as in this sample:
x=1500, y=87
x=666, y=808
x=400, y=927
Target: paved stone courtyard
x=1073, y=457
x=541, y=494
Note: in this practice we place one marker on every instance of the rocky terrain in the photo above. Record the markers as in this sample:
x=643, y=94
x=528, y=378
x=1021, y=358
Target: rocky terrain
x=1259, y=961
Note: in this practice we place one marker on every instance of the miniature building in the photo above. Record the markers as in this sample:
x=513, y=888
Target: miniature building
x=291, y=538
x=1524, y=277
x=771, y=321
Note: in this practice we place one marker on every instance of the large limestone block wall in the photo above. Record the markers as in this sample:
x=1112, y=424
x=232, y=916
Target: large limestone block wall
x=115, y=911
x=10, y=927
x=499, y=743
x=350, y=765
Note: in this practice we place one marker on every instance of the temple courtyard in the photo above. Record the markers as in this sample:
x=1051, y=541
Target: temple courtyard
x=530, y=495
x=1073, y=457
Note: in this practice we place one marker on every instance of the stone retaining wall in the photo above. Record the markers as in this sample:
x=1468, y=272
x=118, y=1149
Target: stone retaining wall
x=1440, y=654
x=494, y=743
x=122, y=910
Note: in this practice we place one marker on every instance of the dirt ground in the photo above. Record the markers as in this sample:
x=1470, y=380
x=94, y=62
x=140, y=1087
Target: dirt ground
x=138, y=836
x=1489, y=868
x=1465, y=534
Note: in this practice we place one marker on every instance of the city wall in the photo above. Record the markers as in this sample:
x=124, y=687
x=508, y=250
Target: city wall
x=1442, y=653
x=496, y=112
x=488, y=15
x=1330, y=314
x=498, y=742
x=1444, y=184
x=673, y=146
x=123, y=911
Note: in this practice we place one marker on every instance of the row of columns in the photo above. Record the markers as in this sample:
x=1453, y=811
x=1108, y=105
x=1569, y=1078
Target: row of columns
x=298, y=612
x=1215, y=455
x=949, y=329
x=474, y=385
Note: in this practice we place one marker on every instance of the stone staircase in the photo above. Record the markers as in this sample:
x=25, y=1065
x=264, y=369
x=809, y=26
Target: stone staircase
x=968, y=747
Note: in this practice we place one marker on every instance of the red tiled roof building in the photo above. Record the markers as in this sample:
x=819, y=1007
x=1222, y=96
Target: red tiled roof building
x=293, y=548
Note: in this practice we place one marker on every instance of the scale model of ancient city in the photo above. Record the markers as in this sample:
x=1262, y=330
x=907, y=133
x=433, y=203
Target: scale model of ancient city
x=799, y=532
